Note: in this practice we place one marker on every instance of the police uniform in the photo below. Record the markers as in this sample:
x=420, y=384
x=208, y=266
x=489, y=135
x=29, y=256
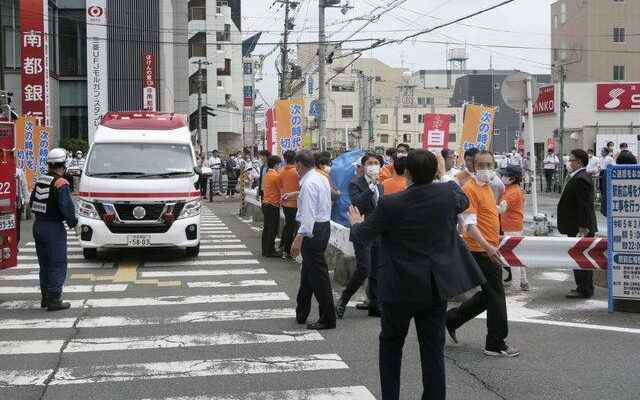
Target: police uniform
x=51, y=204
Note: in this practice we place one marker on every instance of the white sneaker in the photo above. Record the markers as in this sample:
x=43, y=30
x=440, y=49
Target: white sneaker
x=506, y=352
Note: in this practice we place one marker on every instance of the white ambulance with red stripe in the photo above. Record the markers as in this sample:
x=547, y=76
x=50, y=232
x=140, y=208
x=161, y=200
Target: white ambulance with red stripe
x=138, y=187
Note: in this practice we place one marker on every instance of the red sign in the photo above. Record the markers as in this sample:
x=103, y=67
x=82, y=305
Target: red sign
x=546, y=102
x=618, y=96
x=7, y=136
x=269, y=125
x=35, y=59
x=8, y=215
x=436, y=132
x=149, y=82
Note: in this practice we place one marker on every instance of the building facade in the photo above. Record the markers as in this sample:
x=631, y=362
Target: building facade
x=591, y=38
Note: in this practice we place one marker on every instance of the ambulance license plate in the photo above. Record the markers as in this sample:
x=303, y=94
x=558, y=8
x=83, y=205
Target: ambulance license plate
x=7, y=222
x=138, y=240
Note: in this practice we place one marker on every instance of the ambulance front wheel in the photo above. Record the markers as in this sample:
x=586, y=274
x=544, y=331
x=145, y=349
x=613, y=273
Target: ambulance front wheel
x=193, y=252
x=90, y=254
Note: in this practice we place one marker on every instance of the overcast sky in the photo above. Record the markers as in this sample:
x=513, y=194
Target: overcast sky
x=521, y=23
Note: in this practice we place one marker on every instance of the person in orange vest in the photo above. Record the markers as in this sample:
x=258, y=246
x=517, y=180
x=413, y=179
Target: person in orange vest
x=397, y=182
x=387, y=170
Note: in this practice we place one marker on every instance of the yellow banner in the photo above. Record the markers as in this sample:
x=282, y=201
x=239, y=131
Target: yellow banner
x=477, y=130
x=289, y=116
x=32, y=148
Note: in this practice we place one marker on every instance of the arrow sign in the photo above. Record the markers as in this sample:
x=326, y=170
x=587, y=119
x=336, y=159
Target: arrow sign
x=506, y=251
x=588, y=253
x=598, y=253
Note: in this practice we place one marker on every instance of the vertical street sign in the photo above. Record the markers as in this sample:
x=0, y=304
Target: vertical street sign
x=97, y=73
x=436, y=132
x=149, y=82
x=623, y=218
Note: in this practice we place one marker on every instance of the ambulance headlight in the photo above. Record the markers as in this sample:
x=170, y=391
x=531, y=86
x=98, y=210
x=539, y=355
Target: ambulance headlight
x=87, y=209
x=190, y=209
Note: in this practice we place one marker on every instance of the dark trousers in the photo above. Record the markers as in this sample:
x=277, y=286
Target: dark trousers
x=548, y=176
x=51, y=249
x=491, y=299
x=430, y=322
x=367, y=259
x=603, y=193
x=203, y=185
x=271, y=215
x=314, y=277
x=584, y=277
x=290, y=228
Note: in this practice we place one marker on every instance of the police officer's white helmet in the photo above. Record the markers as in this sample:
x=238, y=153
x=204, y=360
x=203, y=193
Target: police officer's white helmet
x=57, y=157
x=78, y=154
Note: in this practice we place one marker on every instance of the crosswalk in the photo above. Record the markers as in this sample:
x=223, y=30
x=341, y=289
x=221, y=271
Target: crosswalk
x=225, y=326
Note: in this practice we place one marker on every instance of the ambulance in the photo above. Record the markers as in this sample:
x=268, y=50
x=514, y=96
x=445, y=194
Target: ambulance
x=138, y=187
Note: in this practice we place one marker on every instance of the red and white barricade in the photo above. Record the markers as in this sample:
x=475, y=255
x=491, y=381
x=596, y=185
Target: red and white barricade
x=554, y=252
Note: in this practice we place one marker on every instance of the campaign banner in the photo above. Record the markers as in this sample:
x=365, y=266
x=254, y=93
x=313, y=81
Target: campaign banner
x=268, y=132
x=289, y=116
x=32, y=148
x=477, y=129
x=97, y=72
x=618, y=96
x=546, y=101
x=149, y=82
x=35, y=59
x=436, y=132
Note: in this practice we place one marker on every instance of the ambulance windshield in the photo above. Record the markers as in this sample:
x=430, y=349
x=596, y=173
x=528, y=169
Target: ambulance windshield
x=139, y=161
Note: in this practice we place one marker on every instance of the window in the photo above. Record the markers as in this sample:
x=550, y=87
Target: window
x=220, y=85
x=224, y=36
x=384, y=138
x=452, y=118
x=496, y=132
x=347, y=112
x=555, y=21
x=227, y=68
x=343, y=87
x=378, y=100
x=73, y=43
x=53, y=41
x=218, y=47
x=420, y=118
x=197, y=10
x=618, y=72
x=384, y=119
x=555, y=54
x=193, y=82
x=452, y=137
x=198, y=45
x=563, y=13
x=406, y=138
x=9, y=18
x=378, y=79
x=406, y=118
x=618, y=35
x=248, y=68
x=73, y=110
x=425, y=101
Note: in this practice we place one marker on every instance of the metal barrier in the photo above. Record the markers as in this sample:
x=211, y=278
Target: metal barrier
x=554, y=252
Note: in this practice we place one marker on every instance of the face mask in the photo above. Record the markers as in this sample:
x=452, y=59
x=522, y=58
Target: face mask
x=373, y=171
x=484, y=176
x=402, y=154
x=506, y=180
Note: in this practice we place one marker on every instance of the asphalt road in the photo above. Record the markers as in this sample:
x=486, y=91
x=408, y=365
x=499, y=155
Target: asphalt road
x=151, y=324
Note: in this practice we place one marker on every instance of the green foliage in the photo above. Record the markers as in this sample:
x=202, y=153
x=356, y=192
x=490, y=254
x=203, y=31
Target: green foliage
x=73, y=145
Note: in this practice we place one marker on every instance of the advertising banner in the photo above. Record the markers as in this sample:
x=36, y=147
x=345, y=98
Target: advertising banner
x=35, y=59
x=268, y=131
x=436, y=132
x=149, y=82
x=32, y=148
x=289, y=118
x=618, y=96
x=477, y=129
x=546, y=102
x=97, y=75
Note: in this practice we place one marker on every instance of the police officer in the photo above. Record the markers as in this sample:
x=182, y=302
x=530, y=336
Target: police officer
x=52, y=204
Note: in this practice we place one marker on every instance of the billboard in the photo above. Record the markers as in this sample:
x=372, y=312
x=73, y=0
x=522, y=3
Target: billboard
x=618, y=96
x=149, y=82
x=32, y=148
x=35, y=59
x=269, y=126
x=97, y=75
x=436, y=132
x=289, y=117
x=477, y=129
x=546, y=101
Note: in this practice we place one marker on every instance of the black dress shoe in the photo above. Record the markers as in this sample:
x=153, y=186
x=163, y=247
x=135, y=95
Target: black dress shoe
x=452, y=334
x=43, y=301
x=578, y=295
x=274, y=255
x=374, y=312
x=57, y=305
x=318, y=326
x=363, y=306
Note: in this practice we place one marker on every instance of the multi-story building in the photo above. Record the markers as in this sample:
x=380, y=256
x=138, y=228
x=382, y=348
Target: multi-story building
x=596, y=39
x=136, y=29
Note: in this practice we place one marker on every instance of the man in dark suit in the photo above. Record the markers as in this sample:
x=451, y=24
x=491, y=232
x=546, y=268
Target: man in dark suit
x=577, y=216
x=424, y=263
x=365, y=193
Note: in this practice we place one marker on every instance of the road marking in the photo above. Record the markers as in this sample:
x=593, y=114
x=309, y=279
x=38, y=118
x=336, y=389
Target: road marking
x=205, y=272
x=88, y=345
x=221, y=241
x=70, y=266
x=34, y=258
x=224, y=253
x=191, y=263
x=223, y=246
x=155, y=301
x=127, y=272
x=67, y=289
x=173, y=369
x=256, y=229
x=217, y=237
x=210, y=233
x=218, y=284
x=30, y=251
x=119, y=321
x=32, y=244
x=330, y=393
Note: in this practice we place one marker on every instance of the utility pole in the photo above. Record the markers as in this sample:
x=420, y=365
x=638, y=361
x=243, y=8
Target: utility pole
x=200, y=63
x=372, y=139
x=563, y=107
x=285, y=48
x=322, y=72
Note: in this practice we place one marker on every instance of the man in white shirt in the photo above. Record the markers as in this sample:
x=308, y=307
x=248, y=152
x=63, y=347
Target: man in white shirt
x=449, y=164
x=594, y=163
x=550, y=164
x=314, y=216
x=215, y=163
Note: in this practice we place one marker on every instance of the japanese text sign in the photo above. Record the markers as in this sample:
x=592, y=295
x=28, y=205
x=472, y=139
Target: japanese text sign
x=436, y=132
x=289, y=124
x=149, y=82
x=477, y=129
x=32, y=148
x=35, y=59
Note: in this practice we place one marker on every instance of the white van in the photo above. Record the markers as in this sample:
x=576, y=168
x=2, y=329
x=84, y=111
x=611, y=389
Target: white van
x=138, y=185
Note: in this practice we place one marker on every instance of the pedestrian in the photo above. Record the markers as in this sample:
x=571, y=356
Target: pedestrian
x=22, y=196
x=511, y=210
x=231, y=167
x=246, y=177
x=550, y=164
x=397, y=182
x=314, y=216
x=215, y=162
x=495, y=183
x=52, y=205
x=605, y=161
x=626, y=157
x=593, y=168
x=205, y=175
x=323, y=165
x=576, y=215
x=365, y=193
x=387, y=170
x=271, y=206
x=426, y=263
x=289, y=186
x=482, y=237
x=450, y=164
x=264, y=156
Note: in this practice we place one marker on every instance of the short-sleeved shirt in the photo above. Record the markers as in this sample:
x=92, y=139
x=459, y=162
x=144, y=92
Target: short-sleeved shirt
x=271, y=188
x=386, y=172
x=395, y=184
x=289, y=183
x=512, y=219
x=482, y=203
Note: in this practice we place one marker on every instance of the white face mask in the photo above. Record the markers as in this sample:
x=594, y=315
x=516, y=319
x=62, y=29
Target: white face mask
x=373, y=171
x=506, y=180
x=484, y=176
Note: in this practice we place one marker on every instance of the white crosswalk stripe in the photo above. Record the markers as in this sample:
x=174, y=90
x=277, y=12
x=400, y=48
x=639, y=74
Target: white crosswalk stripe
x=216, y=292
